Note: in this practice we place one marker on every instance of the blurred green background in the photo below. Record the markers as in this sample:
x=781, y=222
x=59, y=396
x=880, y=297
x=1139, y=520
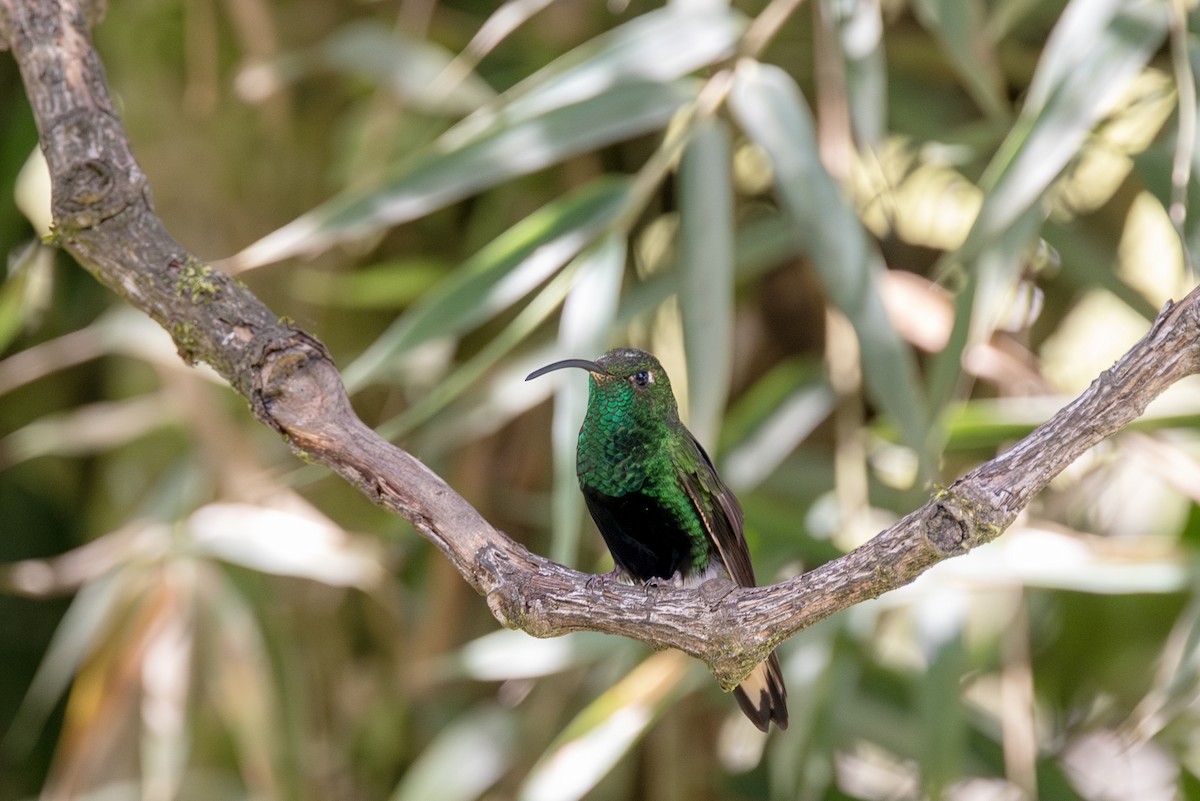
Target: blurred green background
x=873, y=243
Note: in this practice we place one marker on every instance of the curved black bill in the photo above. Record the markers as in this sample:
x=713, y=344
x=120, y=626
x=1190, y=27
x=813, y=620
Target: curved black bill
x=591, y=367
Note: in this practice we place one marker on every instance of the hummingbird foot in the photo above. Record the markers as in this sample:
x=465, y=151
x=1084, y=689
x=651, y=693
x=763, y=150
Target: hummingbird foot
x=603, y=578
x=658, y=582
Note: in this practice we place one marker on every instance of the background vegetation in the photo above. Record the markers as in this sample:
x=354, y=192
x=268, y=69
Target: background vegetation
x=884, y=242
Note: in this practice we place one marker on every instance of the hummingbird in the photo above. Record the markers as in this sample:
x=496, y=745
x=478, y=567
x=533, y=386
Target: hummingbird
x=657, y=500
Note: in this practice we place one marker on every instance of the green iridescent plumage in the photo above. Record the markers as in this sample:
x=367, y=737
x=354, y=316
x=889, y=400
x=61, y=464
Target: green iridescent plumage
x=662, y=509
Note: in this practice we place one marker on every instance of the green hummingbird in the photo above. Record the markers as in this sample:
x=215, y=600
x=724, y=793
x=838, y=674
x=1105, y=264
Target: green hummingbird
x=662, y=509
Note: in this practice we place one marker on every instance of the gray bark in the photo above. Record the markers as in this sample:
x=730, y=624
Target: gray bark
x=104, y=217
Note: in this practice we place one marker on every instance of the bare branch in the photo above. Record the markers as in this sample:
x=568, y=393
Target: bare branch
x=104, y=217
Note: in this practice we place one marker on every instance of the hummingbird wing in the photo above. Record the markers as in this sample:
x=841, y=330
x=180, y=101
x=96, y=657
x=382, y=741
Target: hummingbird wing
x=719, y=510
x=762, y=695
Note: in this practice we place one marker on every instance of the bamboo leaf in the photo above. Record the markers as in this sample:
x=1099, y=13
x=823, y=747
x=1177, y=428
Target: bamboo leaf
x=768, y=106
x=482, y=738
x=441, y=176
x=498, y=276
x=659, y=47
x=959, y=28
x=539, y=308
x=587, y=316
x=1096, y=49
x=95, y=610
x=706, y=244
x=403, y=64
x=606, y=729
x=1088, y=62
x=859, y=29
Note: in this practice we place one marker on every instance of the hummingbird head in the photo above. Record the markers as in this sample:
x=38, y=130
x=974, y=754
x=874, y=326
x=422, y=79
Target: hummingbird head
x=624, y=381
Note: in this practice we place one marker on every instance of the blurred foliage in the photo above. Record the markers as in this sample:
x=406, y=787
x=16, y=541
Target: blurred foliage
x=873, y=243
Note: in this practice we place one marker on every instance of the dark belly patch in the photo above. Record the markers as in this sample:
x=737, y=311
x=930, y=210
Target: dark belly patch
x=645, y=539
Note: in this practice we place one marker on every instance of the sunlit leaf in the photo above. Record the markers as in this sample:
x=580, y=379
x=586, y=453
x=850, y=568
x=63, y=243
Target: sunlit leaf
x=166, y=682
x=1154, y=166
x=658, y=46
x=1057, y=559
x=406, y=66
x=505, y=654
x=284, y=543
x=498, y=276
x=618, y=86
x=587, y=316
x=536, y=312
x=32, y=192
x=887, y=700
x=760, y=245
x=503, y=21
x=1081, y=256
x=1088, y=61
x=959, y=27
x=985, y=424
x=941, y=619
x=392, y=284
x=120, y=330
x=442, y=176
x=1096, y=49
x=769, y=107
x=859, y=30
x=706, y=258
x=465, y=759
x=1094, y=52
x=748, y=461
x=88, y=429
x=604, y=731
x=240, y=685
x=93, y=613
x=26, y=290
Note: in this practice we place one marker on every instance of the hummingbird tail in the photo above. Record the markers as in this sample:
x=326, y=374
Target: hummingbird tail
x=762, y=695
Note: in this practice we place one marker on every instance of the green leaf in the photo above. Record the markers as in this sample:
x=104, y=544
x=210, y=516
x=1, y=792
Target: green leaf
x=706, y=256
x=1095, y=50
x=241, y=687
x=587, y=316
x=26, y=291
x=959, y=28
x=499, y=276
x=440, y=176
x=987, y=424
x=482, y=738
x=859, y=30
x=386, y=285
x=768, y=105
x=509, y=654
x=761, y=244
x=1093, y=53
x=771, y=419
x=616, y=86
x=407, y=66
x=1154, y=166
x=536, y=312
x=97, y=607
x=90, y=428
x=657, y=47
x=296, y=542
x=607, y=729
x=940, y=622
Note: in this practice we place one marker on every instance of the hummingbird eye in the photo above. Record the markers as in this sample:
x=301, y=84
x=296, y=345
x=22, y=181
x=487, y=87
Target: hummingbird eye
x=642, y=378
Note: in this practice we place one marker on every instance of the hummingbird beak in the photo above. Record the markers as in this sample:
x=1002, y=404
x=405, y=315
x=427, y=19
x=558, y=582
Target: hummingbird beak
x=591, y=367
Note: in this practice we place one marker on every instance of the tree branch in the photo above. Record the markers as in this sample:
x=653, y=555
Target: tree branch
x=104, y=217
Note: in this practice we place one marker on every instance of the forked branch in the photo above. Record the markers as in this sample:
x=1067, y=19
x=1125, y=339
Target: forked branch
x=104, y=217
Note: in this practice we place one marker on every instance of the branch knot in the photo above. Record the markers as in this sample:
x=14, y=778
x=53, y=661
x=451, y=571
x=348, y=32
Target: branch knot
x=84, y=195
x=947, y=528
